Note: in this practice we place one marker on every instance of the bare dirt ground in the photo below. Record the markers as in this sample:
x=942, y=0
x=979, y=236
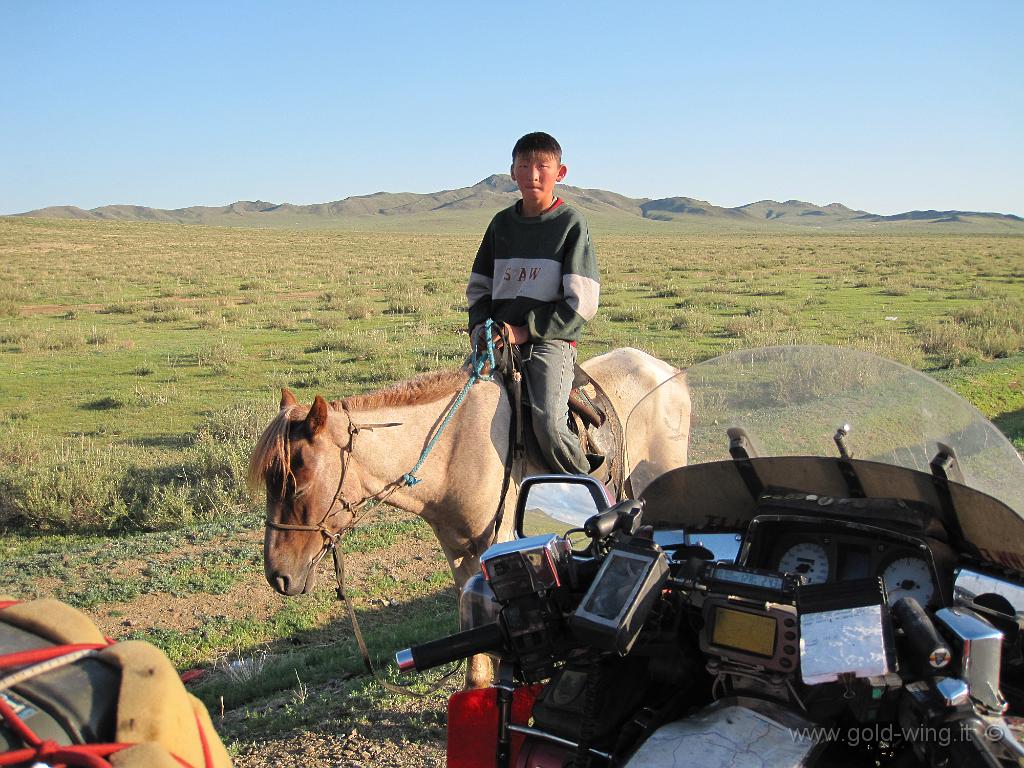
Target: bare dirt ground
x=381, y=744
x=404, y=561
x=382, y=738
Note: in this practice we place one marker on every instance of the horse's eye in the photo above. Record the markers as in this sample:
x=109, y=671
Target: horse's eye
x=278, y=485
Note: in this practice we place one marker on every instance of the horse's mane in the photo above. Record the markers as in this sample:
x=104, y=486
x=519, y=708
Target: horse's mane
x=272, y=448
x=424, y=388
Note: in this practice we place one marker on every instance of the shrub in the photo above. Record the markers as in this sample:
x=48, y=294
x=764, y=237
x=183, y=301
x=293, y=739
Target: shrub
x=992, y=329
x=892, y=344
x=693, y=321
x=96, y=337
x=222, y=357
x=61, y=341
x=72, y=486
x=11, y=300
x=82, y=485
x=360, y=309
x=896, y=286
x=634, y=313
x=120, y=308
x=173, y=315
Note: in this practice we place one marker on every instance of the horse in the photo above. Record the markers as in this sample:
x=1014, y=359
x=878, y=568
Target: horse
x=320, y=464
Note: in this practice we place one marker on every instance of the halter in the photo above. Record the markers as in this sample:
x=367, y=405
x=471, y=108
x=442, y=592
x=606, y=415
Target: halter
x=333, y=539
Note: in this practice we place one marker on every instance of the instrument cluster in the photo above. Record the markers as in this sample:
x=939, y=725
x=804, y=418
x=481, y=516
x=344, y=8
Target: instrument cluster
x=831, y=554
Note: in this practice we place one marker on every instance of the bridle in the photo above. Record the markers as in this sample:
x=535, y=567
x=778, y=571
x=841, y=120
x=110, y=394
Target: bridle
x=332, y=540
x=480, y=363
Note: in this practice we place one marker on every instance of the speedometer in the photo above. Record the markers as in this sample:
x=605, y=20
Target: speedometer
x=909, y=577
x=806, y=559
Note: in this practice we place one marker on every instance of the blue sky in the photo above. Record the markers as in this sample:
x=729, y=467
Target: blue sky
x=884, y=106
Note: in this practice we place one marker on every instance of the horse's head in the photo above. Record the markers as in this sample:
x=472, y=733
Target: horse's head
x=298, y=460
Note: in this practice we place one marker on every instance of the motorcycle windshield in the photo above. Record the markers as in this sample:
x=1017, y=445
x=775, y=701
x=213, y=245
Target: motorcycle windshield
x=790, y=401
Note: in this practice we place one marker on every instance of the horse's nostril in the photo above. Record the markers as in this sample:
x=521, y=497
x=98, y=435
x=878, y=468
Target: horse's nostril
x=281, y=584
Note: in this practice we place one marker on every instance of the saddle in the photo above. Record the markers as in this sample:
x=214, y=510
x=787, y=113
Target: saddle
x=593, y=417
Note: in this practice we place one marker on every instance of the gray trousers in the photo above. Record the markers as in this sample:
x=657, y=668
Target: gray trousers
x=548, y=373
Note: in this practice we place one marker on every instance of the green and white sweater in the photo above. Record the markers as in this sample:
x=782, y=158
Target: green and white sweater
x=538, y=271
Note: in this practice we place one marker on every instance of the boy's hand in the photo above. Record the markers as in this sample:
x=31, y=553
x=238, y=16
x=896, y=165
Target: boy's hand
x=517, y=334
x=478, y=339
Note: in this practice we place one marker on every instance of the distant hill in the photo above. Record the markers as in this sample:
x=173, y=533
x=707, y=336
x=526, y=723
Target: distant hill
x=471, y=207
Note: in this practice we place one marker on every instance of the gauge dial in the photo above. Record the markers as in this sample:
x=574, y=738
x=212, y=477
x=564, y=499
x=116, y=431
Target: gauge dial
x=909, y=577
x=806, y=559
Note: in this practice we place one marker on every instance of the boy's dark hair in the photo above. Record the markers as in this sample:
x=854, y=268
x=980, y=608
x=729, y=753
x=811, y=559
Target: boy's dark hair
x=537, y=143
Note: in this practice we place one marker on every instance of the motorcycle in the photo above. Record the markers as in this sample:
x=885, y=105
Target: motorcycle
x=796, y=595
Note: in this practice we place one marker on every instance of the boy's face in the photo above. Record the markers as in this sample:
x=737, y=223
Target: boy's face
x=536, y=175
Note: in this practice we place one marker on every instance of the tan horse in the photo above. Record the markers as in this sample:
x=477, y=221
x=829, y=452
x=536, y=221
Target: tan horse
x=319, y=463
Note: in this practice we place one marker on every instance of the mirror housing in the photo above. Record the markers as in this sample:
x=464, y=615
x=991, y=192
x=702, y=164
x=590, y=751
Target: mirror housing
x=984, y=593
x=556, y=503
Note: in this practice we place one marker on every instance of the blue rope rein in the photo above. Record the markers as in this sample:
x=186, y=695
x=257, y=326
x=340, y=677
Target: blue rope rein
x=479, y=361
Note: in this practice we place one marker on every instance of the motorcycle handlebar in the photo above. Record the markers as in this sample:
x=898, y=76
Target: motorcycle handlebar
x=931, y=650
x=461, y=645
x=601, y=525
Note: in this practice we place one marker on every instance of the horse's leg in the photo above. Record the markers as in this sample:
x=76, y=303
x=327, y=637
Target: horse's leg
x=479, y=671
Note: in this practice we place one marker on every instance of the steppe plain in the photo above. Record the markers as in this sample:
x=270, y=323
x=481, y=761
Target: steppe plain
x=139, y=361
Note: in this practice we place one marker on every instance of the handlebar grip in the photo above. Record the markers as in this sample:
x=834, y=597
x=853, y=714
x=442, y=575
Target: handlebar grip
x=461, y=645
x=931, y=650
x=601, y=525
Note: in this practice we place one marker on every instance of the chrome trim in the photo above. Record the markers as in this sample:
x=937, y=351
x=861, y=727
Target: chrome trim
x=953, y=691
x=969, y=585
x=527, y=731
x=1003, y=739
x=980, y=650
x=542, y=541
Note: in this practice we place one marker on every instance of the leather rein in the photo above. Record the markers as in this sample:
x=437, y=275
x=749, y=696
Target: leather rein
x=332, y=542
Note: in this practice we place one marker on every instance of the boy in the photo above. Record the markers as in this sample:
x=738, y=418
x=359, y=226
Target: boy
x=536, y=273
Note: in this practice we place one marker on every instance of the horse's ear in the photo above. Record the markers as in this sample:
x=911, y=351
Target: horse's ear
x=287, y=398
x=317, y=418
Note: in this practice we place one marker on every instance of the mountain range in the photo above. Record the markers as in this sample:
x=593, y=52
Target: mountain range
x=471, y=207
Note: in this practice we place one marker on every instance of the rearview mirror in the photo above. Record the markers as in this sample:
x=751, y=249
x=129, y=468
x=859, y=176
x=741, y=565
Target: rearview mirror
x=556, y=503
x=981, y=590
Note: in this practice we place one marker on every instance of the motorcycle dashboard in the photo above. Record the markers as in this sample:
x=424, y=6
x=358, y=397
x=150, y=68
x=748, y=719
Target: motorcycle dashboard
x=830, y=552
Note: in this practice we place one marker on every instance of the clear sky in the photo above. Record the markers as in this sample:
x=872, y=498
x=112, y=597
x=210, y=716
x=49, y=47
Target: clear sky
x=884, y=106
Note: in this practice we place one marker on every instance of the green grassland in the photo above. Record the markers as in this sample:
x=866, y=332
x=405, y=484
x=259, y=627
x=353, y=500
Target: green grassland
x=138, y=363
x=161, y=348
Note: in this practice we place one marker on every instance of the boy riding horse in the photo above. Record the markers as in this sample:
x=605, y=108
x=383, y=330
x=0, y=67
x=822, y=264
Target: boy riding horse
x=535, y=273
